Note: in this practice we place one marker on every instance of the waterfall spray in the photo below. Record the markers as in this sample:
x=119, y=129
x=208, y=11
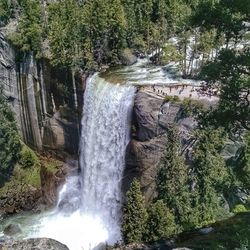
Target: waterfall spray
x=89, y=207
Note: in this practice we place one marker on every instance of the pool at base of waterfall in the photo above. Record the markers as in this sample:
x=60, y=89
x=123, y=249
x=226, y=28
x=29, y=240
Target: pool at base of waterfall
x=77, y=231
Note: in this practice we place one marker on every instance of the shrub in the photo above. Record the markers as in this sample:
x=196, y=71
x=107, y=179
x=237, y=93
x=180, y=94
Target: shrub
x=27, y=157
x=191, y=107
x=173, y=99
x=161, y=222
x=7, y=8
x=9, y=141
x=240, y=208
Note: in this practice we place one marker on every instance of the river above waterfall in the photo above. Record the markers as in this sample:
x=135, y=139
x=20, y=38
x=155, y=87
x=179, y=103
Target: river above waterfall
x=143, y=72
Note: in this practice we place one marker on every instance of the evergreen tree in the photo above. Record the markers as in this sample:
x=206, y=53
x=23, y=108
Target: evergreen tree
x=210, y=176
x=242, y=168
x=161, y=222
x=229, y=73
x=9, y=141
x=132, y=32
x=104, y=26
x=28, y=36
x=65, y=33
x=172, y=180
x=5, y=11
x=134, y=215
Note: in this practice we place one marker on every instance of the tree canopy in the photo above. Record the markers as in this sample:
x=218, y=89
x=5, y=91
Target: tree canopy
x=9, y=141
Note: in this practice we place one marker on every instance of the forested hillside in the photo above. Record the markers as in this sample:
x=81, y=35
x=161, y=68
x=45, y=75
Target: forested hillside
x=90, y=33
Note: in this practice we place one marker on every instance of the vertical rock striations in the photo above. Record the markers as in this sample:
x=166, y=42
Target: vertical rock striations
x=46, y=100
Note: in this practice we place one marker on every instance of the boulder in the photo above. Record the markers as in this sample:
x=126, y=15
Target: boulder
x=38, y=244
x=127, y=57
x=12, y=229
x=206, y=230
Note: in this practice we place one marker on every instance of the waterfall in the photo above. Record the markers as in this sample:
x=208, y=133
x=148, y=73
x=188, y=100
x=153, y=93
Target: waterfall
x=105, y=135
x=89, y=207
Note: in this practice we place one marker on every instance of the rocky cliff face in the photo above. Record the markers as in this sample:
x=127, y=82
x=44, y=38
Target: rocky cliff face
x=47, y=101
x=152, y=119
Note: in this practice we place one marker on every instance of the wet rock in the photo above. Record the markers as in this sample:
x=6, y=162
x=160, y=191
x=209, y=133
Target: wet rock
x=50, y=182
x=128, y=58
x=206, y=230
x=12, y=229
x=70, y=198
x=37, y=244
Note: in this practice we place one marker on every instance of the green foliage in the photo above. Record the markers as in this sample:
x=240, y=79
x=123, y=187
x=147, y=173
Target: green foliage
x=134, y=215
x=174, y=99
x=6, y=10
x=226, y=16
x=28, y=36
x=104, y=25
x=230, y=73
x=28, y=157
x=191, y=107
x=240, y=208
x=65, y=32
x=242, y=166
x=90, y=33
x=233, y=233
x=170, y=54
x=9, y=141
x=86, y=34
x=210, y=175
x=161, y=222
x=172, y=180
x=21, y=180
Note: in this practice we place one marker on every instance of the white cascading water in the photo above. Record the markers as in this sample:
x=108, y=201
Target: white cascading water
x=89, y=207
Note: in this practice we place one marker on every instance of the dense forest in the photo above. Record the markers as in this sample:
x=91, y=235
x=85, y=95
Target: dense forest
x=208, y=40
x=88, y=34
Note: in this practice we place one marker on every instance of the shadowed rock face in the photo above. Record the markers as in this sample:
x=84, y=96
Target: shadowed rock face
x=152, y=119
x=38, y=244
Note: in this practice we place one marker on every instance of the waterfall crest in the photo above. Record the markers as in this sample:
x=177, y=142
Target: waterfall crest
x=88, y=210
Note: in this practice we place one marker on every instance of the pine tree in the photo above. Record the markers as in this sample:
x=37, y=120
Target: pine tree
x=172, y=180
x=28, y=36
x=161, y=222
x=134, y=215
x=65, y=33
x=210, y=176
x=104, y=24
